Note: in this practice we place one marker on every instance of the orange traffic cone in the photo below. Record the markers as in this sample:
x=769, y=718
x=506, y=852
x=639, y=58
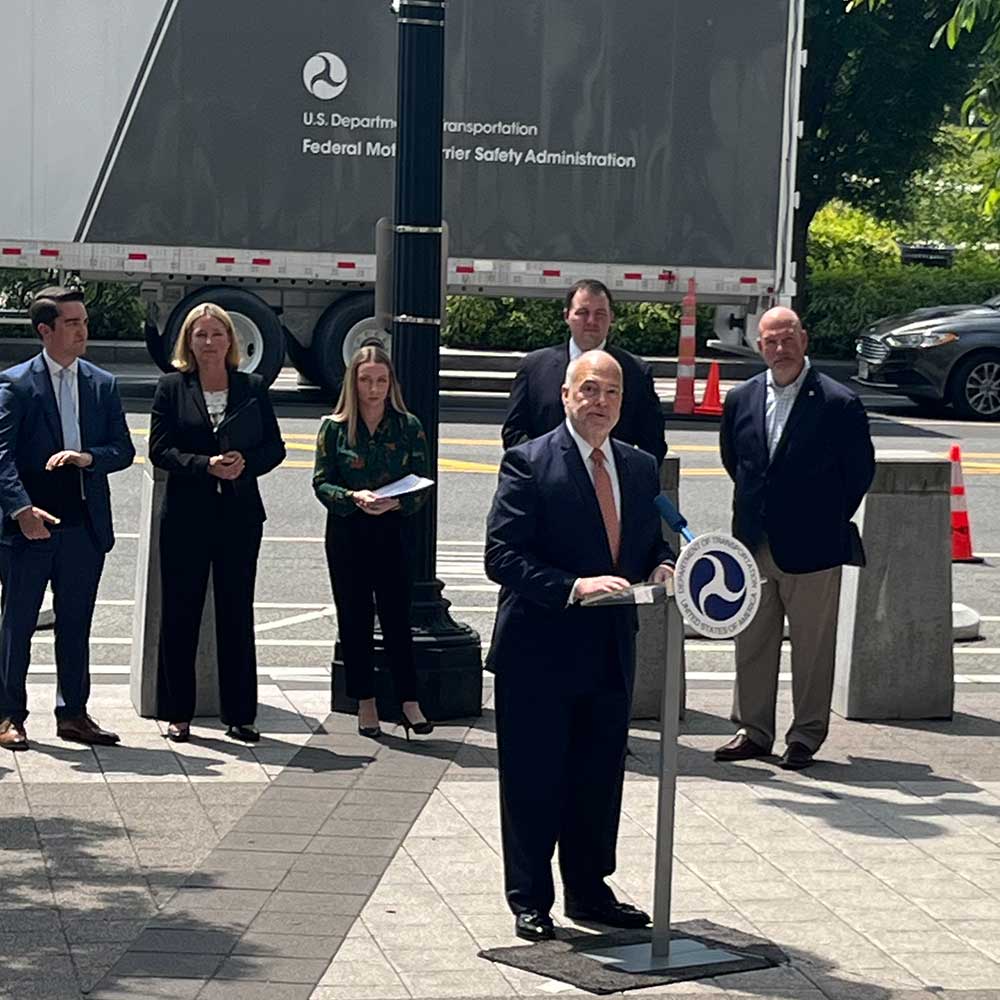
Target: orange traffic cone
x=961, y=536
x=711, y=402
x=684, y=386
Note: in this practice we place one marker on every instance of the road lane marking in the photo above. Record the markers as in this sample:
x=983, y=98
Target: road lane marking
x=308, y=616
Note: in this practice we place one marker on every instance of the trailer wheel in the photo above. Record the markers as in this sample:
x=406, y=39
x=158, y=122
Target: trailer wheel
x=327, y=350
x=258, y=329
x=301, y=358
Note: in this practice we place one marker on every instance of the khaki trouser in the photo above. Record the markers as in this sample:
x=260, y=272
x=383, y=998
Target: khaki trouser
x=810, y=601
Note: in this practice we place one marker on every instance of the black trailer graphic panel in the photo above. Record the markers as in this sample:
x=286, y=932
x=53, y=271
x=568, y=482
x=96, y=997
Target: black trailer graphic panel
x=576, y=129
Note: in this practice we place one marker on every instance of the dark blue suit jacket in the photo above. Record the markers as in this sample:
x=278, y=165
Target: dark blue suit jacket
x=803, y=499
x=535, y=406
x=31, y=433
x=544, y=531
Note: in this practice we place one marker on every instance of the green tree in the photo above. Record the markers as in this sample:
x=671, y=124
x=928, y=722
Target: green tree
x=873, y=97
x=982, y=105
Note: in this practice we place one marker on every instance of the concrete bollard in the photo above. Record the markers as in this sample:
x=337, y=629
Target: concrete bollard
x=894, y=634
x=651, y=642
x=146, y=617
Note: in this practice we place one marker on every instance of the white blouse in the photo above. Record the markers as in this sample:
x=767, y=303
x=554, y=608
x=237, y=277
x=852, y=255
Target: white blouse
x=215, y=403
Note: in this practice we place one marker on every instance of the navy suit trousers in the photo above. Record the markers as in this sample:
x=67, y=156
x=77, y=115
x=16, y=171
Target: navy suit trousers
x=562, y=743
x=73, y=563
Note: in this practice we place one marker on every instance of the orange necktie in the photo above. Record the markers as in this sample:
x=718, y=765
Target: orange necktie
x=606, y=501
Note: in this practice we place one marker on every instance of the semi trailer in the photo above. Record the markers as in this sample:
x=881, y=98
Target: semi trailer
x=241, y=151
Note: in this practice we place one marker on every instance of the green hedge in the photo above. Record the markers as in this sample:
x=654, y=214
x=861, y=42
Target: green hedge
x=843, y=301
x=508, y=324
x=114, y=310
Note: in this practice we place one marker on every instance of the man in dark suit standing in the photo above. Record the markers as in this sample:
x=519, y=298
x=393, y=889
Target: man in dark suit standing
x=798, y=448
x=535, y=406
x=62, y=431
x=573, y=517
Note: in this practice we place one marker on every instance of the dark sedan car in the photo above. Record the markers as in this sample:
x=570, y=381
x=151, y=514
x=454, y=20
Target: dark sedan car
x=946, y=354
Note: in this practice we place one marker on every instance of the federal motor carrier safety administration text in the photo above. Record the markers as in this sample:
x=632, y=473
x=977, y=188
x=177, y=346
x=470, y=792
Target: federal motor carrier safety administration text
x=479, y=154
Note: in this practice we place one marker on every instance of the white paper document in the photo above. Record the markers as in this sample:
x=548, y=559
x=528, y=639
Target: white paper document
x=408, y=484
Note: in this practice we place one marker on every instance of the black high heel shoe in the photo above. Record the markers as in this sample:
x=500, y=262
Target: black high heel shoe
x=420, y=728
x=372, y=732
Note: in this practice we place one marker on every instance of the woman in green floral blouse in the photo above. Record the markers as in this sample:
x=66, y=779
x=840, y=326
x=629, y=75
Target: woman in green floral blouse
x=368, y=441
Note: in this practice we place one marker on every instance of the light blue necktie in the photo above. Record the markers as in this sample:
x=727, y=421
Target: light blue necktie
x=67, y=413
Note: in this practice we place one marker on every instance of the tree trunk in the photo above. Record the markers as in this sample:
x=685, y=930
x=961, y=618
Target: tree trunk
x=808, y=207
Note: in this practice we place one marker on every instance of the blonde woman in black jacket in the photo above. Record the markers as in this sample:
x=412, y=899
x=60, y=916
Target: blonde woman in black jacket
x=214, y=431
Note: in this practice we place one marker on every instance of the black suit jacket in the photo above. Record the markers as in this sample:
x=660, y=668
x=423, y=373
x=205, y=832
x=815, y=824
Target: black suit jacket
x=803, y=499
x=544, y=531
x=535, y=406
x=181, y=441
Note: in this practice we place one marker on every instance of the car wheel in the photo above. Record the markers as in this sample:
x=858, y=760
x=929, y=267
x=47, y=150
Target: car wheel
x=975, y=387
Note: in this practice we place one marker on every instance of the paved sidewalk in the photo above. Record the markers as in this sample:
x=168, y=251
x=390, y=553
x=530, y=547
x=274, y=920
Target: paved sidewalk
x=320, y=866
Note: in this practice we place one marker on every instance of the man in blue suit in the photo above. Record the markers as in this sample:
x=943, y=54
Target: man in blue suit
x=62, y=431
x=797, y=446
x=573, y=517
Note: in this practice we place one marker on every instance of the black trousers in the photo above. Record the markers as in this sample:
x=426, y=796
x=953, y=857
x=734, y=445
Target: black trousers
x=369, y=568
x=189, y=547
x=562, y=744
x=72, y=562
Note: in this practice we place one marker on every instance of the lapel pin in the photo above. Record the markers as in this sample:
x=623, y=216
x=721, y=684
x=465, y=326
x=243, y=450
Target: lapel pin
x=812, y=392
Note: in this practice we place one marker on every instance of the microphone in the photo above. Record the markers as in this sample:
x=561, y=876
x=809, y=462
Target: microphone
x=674, y=518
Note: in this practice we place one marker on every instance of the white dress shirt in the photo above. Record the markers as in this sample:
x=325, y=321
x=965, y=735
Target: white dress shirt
x=780, y=400
x=575, y=350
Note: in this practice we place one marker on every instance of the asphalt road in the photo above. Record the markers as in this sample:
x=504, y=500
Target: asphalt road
x=294, y=618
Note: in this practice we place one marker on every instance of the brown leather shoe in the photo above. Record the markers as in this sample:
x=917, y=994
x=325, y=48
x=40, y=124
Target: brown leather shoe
x=12, y=735
x=741, y=747
x=83, y=729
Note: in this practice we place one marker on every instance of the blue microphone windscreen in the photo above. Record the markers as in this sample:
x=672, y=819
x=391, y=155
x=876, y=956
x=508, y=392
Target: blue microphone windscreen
x=670, y=513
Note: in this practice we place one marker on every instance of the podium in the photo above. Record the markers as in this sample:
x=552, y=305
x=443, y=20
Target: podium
x=665, y=952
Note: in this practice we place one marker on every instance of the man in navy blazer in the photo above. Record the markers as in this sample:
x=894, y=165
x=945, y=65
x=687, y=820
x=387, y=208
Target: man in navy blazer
x=798, y=448
x=573, y=517
x=62, y=431
x=535, y=406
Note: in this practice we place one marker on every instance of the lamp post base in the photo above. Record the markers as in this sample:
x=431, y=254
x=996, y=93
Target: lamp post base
x=448, y=657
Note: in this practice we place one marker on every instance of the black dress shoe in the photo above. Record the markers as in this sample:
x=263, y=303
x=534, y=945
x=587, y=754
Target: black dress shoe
x=533, y=925
x=796, y=757
x=372, y=732
x=611, y=913
x=741, y=747
x=245, y=734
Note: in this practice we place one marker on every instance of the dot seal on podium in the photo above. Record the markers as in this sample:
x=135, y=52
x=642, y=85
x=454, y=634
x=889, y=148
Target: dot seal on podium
x=717, y=585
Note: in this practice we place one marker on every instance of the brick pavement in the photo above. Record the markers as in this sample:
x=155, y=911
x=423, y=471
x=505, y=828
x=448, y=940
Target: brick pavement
x=325, y=867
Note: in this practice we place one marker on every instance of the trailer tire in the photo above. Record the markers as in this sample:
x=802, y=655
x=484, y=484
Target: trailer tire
x=301, y=358
x=327, y=350
x=261, y=335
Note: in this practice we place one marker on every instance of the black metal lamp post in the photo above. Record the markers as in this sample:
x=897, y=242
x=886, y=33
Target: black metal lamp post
x=448, y=654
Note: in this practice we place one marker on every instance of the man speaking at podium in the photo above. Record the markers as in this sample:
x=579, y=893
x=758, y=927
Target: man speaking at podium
x=573, y=517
